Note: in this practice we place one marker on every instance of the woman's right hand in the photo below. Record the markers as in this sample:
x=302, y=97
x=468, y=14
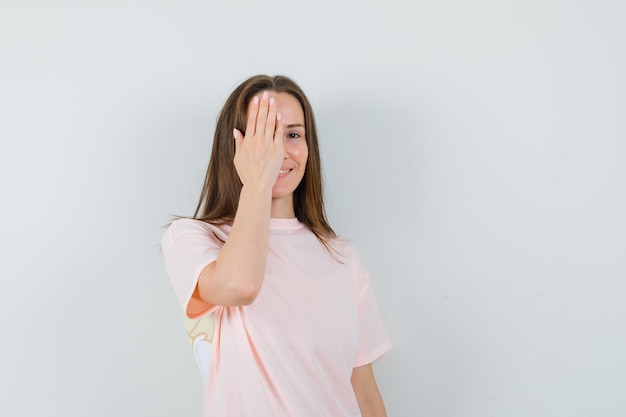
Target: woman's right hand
x=259, y=154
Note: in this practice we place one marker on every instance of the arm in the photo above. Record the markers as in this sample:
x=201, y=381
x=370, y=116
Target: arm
x=236, y=276
x=366, y=391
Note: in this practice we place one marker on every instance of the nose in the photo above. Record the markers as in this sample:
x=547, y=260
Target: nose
x=285, y=149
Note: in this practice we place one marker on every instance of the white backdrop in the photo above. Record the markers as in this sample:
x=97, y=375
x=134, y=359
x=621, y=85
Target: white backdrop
x=473, y=152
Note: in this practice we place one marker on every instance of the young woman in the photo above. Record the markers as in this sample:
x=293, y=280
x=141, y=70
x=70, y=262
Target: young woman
x=296, y=326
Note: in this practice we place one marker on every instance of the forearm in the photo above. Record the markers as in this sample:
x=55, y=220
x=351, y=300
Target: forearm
x=236, y=277
x=366, y=391
x=372, y=406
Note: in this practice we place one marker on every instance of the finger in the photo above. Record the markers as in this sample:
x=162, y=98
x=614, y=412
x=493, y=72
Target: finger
x=238, y=139
x=253, y=110
x=270, y=124
x=261, y=118
x=278, y=135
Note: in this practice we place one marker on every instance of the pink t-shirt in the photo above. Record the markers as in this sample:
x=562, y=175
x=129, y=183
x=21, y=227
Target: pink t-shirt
x=291, y=352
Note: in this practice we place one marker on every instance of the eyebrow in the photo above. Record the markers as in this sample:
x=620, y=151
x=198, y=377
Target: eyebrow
x=295, y=125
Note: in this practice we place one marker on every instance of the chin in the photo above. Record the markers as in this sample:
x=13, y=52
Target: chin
x=280, y=195
x=282, y=192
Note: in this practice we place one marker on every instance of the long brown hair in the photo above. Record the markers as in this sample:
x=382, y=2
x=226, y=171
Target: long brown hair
x=220, y=194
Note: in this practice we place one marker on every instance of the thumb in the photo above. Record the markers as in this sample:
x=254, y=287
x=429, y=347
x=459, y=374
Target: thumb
x=238, y=139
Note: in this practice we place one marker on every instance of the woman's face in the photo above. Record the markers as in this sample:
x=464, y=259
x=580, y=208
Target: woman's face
x=295, y=152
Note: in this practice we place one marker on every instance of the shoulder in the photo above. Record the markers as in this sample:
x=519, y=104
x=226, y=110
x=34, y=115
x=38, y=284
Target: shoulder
x=353, y=261
x=344, y=252
x=193, y=228
x=182, y=226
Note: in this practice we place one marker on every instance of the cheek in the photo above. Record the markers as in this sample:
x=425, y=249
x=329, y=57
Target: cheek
x=304, y=155
x=299, y=152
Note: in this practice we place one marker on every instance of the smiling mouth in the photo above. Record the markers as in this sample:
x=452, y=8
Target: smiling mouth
x=283, y=171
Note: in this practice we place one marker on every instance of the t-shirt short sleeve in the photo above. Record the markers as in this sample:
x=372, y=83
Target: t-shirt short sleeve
x=188, y=246
x=372, y=338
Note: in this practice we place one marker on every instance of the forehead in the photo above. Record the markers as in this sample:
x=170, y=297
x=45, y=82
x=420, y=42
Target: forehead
x=289, y=108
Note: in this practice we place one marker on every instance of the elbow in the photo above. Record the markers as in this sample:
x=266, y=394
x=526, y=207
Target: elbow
x=246, y=294
x=234, y=295
x=228, y=289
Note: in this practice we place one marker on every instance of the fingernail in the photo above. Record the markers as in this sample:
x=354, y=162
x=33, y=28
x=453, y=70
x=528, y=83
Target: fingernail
x=278, y=116
x=265, y=95
x=272, y=101
x=255, y=100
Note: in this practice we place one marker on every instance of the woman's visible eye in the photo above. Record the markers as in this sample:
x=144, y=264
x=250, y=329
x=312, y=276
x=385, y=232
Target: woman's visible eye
x=293, y=135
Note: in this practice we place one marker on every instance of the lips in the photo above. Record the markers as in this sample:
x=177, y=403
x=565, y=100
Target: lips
x=284, y=171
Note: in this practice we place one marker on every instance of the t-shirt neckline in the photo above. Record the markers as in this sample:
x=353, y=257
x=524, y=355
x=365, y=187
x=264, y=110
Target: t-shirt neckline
x=283, y=226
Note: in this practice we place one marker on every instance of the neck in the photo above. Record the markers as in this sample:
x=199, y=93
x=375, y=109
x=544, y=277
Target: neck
x=282, y=208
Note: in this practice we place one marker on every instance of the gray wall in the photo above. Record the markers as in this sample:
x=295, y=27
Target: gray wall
x=474, y=153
